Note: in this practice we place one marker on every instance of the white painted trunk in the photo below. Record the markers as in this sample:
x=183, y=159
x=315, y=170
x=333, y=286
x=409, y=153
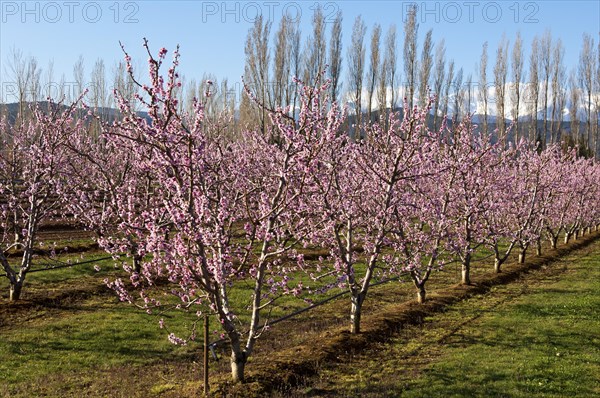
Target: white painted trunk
x=497, y=265
x=465, y=276
x=421, y=295
x=238, y=363
x=15, y=291
x=356, y=312
x=466, y=270
x=238, y=358
x=522, y=256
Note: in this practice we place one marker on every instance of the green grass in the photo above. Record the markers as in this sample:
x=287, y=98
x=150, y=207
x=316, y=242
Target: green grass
x=547, y=343
x=539, y=337
x=90, y=336
x=62, y=332
x=68, y=344
x=43, y=272
x=94, y=333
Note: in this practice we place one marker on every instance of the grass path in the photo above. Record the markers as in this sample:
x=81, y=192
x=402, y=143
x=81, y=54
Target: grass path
x=539, y=337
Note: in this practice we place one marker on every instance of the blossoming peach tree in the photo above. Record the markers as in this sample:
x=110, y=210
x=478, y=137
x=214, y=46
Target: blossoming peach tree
x=33, y=183
x=362, y=192
x=110, y=195
x=233, y=208
x=216, y=223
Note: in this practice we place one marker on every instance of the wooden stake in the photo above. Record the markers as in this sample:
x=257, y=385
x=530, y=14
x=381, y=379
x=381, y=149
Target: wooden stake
x=206, y=388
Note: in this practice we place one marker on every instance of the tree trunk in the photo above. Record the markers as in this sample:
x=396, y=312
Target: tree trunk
x=355, y=312
x=497, y=265
x=237, y=368
x=522, y=256
x=137, y=264
x=18, y=280
x=421, y=294
x=238, y=362
x=567, y=237
x=553, y=241
x=466, y=270
x=15, y=290
x=538, y=247
x=465, y=275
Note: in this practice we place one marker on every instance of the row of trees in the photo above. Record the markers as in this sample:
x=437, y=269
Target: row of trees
x=204, y=215
x=535, y=97
x=528, y=86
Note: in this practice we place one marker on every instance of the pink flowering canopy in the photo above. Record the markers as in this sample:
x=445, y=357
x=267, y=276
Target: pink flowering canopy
x=220, y=225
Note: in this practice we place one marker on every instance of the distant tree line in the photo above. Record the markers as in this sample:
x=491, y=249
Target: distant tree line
x=529, y=98
x=528, y=95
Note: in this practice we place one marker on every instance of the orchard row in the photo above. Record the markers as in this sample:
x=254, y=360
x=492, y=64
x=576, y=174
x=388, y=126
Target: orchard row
x=199, y=212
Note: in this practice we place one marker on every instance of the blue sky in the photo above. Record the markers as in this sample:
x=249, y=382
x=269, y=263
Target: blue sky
x=212, y=33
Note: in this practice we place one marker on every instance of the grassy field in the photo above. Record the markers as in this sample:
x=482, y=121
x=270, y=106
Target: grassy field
x=71, y=337
x=538, y=337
